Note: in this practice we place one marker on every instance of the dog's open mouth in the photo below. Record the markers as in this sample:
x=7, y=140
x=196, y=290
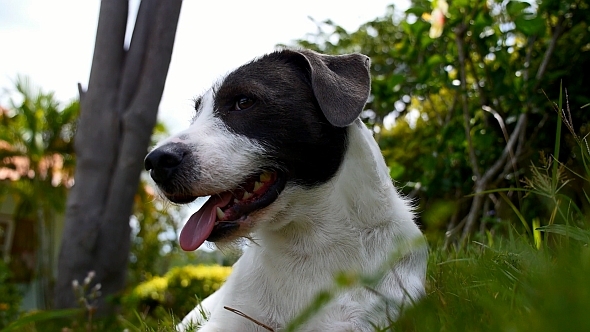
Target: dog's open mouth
x=227, y=213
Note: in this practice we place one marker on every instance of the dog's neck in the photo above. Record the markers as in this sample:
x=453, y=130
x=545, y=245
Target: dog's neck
x=323, y=214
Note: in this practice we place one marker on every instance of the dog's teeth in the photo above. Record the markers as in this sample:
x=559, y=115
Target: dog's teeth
x=220, y=213
x=265, y=177
x=247, y=195
x=257, y=185
x=236, y=200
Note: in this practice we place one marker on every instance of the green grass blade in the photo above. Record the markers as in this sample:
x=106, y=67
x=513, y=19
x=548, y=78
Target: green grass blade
x=557, y=137
x=40, y=316
x=572, y=232
x=537, y=233
x=517, y=212
x=320, y=301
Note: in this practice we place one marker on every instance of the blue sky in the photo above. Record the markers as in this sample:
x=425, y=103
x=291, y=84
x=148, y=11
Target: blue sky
x=52, y=41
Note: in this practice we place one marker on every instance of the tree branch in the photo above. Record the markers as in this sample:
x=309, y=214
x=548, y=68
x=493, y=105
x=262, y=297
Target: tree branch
x=97, y=128
x=499, y=164
x=81, y=92
x=119, y=113
x=518, y=132
x=482, y=183
x=107, y=60
x=559, y=28
x=138, y=122
x=135, y=56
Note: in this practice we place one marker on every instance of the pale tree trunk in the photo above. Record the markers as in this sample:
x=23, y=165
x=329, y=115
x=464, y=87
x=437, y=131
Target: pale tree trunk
x=118, y=113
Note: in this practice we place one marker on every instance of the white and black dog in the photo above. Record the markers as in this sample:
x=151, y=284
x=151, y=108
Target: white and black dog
x=278, y=146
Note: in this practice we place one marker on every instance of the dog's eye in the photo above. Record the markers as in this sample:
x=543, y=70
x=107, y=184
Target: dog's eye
x=243, y=103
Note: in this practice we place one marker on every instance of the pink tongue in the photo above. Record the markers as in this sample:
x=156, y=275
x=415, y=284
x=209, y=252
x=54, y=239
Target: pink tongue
x=200, y=225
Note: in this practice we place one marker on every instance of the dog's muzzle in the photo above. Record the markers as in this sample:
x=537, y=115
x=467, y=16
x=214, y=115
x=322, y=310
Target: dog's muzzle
x=225, y=214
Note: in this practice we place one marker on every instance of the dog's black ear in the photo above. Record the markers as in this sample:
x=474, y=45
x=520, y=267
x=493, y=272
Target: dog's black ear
x=341, y=84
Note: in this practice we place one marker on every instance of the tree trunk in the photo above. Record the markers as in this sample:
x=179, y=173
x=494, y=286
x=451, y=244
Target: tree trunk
x=118, y=113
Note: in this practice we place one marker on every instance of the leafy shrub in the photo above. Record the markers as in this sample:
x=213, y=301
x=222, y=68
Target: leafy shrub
x=10, y=297
x=152, y=290
x=186, y=283
x=179, y=289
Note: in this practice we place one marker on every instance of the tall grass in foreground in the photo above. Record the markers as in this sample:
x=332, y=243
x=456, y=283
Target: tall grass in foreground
x=510, y=286
x=507, y=286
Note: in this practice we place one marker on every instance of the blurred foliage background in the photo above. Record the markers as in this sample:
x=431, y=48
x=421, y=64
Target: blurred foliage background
x=481, y=111
x=449, y=93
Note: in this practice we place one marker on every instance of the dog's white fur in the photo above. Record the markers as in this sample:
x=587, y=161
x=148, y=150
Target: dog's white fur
x=212, y=143
x=354, y=223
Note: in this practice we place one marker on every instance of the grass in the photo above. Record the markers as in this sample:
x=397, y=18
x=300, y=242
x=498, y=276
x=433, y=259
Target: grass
x=510, y=286
x=506, y=286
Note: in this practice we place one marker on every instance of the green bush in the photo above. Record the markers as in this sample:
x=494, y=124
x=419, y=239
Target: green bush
x=178, y=290
x=10, y=297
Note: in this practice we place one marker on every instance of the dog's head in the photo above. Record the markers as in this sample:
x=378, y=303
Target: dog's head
x=275, y=122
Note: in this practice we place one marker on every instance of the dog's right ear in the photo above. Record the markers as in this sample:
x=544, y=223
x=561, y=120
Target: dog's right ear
x=341, y=84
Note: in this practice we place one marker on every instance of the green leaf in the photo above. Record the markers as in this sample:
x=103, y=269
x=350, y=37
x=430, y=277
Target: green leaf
x=529, y=27
x=435, y=60
x=572, y=232
x=396, y=170
x=395, y=79
x=418, y=11
x=320, y=301
x=516, y=8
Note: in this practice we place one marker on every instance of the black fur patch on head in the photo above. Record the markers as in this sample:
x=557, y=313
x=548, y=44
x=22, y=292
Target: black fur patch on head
x=285, y=116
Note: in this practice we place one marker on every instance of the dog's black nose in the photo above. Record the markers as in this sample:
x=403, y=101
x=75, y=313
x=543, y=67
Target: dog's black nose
x=163, y=162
